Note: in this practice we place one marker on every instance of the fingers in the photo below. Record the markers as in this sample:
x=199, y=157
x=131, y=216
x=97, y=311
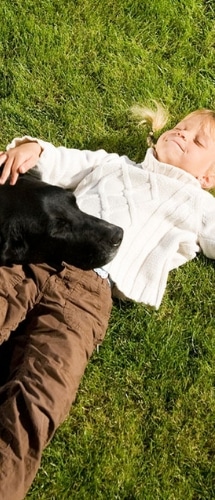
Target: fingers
x=10, y=169
x=13, y=178
x=8, y=162
x=16, y=170
x=3, y=157
x=18, y=160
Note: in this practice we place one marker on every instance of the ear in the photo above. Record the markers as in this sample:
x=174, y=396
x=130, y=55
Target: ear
x=59, y=228
x=13, y=251
x=207, y=181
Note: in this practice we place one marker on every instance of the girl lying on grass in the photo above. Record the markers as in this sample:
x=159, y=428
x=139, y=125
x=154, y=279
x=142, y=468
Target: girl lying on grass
x=167, y=219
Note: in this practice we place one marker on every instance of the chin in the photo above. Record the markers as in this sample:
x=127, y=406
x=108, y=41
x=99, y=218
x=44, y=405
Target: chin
x=172, y=155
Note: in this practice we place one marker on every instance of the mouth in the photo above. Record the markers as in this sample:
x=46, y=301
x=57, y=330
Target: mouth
x=178, y=143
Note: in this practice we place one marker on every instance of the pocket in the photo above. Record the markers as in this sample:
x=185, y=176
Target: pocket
x=3, y=310
x=87, y=308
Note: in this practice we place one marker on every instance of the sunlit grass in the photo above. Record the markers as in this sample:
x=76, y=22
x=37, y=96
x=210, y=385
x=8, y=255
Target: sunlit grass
x=142, y=427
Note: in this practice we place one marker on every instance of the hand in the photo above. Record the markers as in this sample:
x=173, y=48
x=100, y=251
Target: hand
x=19, y=160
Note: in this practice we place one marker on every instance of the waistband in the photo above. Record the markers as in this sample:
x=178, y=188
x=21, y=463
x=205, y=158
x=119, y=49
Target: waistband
x=103, y=274
x=98, y=270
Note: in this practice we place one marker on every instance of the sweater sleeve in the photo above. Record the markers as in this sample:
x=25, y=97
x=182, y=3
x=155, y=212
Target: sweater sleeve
x=64, y=166
x=207, y=231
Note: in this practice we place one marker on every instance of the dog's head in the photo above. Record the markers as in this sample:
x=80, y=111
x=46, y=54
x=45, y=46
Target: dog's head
x=81, y=239
x=42, y=223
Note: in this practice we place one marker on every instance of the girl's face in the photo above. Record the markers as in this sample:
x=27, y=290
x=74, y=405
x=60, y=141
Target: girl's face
x=189, y=146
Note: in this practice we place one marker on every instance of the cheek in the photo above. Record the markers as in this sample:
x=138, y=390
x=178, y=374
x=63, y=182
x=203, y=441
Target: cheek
x=160, y=147
x=166, y=151
x=197, y=159
x=161, y=141
x=196, y=162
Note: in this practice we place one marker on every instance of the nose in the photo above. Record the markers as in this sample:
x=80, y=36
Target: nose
x=117, y=235
x=181, y=134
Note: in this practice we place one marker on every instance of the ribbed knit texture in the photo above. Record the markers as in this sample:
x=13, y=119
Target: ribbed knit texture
x=165, y=214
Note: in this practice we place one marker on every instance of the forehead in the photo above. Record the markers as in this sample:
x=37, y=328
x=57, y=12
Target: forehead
x=192, y=122
x=202, y=124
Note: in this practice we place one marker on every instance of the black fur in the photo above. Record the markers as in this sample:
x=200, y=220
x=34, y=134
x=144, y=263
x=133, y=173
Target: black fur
x=42, y=223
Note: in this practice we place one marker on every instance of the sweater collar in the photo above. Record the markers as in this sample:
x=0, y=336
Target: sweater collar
x=152, y=164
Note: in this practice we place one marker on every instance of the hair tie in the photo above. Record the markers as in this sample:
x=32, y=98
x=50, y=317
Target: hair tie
x=150, y=139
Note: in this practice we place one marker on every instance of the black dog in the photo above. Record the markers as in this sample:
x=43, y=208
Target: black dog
x=42, y=223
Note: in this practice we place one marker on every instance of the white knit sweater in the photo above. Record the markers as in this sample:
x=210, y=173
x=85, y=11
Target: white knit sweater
x=167, y=218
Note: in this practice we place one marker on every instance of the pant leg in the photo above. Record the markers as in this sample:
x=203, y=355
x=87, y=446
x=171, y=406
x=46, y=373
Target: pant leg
x=19, y=290
x=49, y=359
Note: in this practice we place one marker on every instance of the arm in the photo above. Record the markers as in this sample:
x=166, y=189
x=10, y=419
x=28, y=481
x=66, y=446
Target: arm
x=56, y=165
x=206, y=236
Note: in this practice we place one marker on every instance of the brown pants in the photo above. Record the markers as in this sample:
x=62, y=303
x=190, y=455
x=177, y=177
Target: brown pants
x=44, y=360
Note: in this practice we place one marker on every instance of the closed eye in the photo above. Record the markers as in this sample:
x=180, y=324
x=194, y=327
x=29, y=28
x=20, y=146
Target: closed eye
x=199, y=143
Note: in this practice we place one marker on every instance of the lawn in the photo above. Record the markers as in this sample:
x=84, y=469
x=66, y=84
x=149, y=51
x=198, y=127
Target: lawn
x=142, y=427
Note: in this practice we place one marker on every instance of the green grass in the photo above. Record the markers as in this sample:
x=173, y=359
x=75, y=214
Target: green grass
x=142, y=427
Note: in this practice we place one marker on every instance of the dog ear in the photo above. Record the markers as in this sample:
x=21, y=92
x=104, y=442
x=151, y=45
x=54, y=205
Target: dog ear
x=13, y=251
x=59, y=228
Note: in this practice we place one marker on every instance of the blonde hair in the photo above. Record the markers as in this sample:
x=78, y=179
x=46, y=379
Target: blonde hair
x=155, y=118
x=207, y=119
x=158, y=117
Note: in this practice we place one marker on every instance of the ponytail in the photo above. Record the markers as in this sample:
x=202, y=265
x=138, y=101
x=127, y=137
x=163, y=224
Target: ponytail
x=155, y=118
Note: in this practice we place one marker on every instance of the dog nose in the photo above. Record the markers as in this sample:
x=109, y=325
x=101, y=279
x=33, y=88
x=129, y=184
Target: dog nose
x=117, y=235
